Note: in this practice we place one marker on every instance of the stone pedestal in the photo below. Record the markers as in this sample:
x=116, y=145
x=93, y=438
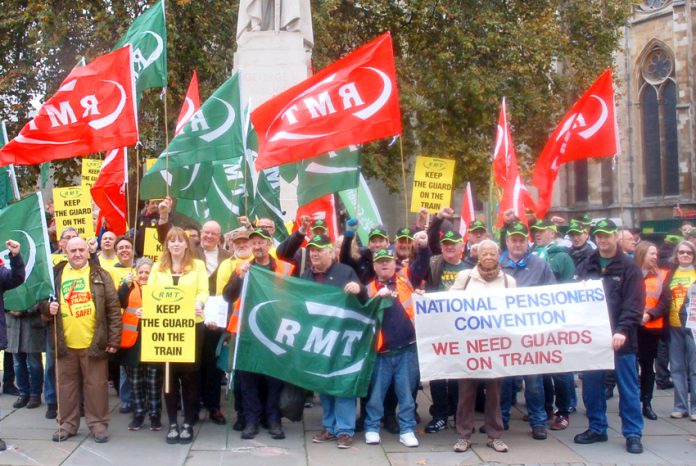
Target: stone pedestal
x=270, y=63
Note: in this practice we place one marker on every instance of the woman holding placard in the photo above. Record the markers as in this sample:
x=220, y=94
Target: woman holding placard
x=145, y=378
x=177, y=267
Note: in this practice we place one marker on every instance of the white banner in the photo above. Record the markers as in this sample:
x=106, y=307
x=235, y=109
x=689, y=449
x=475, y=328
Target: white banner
x=514, y=331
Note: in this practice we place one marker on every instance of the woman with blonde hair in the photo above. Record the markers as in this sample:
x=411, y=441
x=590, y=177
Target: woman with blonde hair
x=177, y=267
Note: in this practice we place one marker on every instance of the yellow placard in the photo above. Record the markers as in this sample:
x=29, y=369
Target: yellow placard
x=73, y=208
x=152, y=248
x=432, y=184
x=168, y=324
x=90, y=171
x=149, y=163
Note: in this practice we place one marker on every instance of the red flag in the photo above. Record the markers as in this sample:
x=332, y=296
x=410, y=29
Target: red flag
x=320, y=208
x=93, y=110
x=352, y=101
x=192, y=102
x=504, y=156
x=516, y=197
x=468, y=215
x=588, y=130
x=109, y=193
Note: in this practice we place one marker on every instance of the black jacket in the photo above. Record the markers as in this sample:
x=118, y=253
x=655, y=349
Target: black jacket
x=338, y=275
x=625, y=292
x=582, y=254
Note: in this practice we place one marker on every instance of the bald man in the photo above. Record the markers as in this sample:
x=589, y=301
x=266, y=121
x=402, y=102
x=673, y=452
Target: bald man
x=87, y=315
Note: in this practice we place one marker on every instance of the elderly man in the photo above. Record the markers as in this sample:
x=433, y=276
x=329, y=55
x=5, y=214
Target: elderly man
x=87, y=316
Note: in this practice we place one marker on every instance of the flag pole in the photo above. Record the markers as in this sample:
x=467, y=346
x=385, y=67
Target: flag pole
x=137, y=190
x=55, y=356
x=166, y=140
x=403, y=178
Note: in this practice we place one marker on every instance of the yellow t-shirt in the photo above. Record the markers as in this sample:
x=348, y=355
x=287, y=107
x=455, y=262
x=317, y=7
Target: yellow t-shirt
x=57, y=258
x=225, y=270
x=107, y=264
x=118, y=274
x=679, y=286
x=77, y=308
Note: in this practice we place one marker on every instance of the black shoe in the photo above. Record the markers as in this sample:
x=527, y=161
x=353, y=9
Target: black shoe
x=539, y=433
x=608, y=393
x=52, y=411
x=648, y=412
x=125, y=408
x=590, y=436
x=155, y=423
x=10, y=389
x=216, y=417
x=3, y=447
x=276, y=430
x=436, y=425
x=34, y=402
x=21, y=402
x=633, y=445
x=137, y=422
x=61, y=436
x=239, y=425
x=173, y=434
x=250, y=431
x=665, y=386
x=391, y=425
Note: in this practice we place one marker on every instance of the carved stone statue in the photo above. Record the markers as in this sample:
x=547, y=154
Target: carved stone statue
x=275, y=15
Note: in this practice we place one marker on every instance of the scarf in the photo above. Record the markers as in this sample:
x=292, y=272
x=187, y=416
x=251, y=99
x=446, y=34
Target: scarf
x=489, y=274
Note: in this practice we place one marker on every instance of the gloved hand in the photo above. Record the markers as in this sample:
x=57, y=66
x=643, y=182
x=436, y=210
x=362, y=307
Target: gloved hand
x=351, y=227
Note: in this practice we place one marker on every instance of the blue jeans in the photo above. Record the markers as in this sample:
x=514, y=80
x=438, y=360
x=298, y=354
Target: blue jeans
x=29, y=375
x=124, y=387
x=629, y=397
x=50, y=374
x=682, y=362
x=533, y=395
x=559, y=386
x=402, y=368
x=339, y=414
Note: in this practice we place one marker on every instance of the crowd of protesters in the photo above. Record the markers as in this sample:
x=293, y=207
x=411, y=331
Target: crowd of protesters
x=94, y=321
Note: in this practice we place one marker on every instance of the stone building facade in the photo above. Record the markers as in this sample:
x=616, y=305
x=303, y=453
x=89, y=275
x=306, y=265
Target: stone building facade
x=654, y=176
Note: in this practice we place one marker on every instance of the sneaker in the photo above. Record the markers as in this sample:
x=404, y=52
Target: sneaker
x=250, y=431
x=372, y=438
x=34, y=402
x=462, y=445
x=186, y=434
x=344, y=441
x=590, y=436
x=101, y=437
x=497, y=445
x=436, y=425
x=677, y=415
x=137, y=422
x=408, y=440
x=173, y=434
x=125, y=408
x=155, y=423
x=21, y=402
x=61, y=435
x=665, y=386
x=560, y=422
x=539, y=433
x=633, y=445
x=323, y=437
x=51, y=411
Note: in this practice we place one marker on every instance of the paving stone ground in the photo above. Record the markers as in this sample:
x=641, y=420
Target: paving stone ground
x=28, y=436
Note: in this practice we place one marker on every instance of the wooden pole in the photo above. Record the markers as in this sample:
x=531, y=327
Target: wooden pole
x=166, y=140
x=403, y=178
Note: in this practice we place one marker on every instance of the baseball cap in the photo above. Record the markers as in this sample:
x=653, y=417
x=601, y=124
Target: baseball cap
x=378, y=232
x=451, y=236
x=383, y=254
x=544, y=225
x=583, y=219
x=518, y=228
x=239, y=233
x=262, y=233
x=674, y=237
x=405, y=233
x=320, y=241
x=576, y=227
x=605, y=225
x=319, y=223
x=476, y=225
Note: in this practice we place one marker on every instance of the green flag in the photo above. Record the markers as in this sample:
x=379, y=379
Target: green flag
x=360, y=204
x=226, y=198
x=148, y=36
x=314, y=336
x=267, y=201
x=8, y=180
x=25, y=222
x=327, y=174
x=190, y=182
x=214, y=133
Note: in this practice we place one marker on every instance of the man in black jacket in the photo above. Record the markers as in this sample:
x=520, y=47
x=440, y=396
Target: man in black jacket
x=625, y=293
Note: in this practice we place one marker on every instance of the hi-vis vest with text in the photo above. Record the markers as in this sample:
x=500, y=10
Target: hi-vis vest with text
x=129, y=334
x=653, y=290
x=282, y=268
x=404, y=291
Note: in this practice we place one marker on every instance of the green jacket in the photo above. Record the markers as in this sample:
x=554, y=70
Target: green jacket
x=559, y=260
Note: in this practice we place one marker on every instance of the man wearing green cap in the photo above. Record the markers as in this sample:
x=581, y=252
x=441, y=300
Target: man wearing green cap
x=580, y=249
x=377, y=239
x=625, y=294
x=403, y=245
x=476, y=231
x=666, y=250
x=339, y=413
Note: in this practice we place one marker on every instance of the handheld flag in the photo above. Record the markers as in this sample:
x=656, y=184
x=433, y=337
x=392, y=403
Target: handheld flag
x=468, y=214
x=108, y=192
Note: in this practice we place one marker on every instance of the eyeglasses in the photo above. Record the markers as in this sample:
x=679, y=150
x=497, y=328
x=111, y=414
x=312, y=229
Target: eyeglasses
x=685, y=253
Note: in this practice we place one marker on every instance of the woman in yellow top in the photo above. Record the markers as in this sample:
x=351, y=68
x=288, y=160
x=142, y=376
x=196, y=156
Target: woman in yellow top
x=178, y=267
x=682, y=348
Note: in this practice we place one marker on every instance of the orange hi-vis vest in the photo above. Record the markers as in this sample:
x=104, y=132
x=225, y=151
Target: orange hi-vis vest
x=281, y=268
x=653, y=290
x=404, y=292
x=129, y=334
